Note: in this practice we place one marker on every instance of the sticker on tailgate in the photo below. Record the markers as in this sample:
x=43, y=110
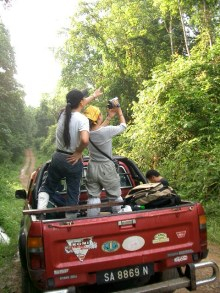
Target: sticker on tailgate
x=133, y=243
x=160, y=238
x=110, y=246
x=125, y=273
x=181, y=234
x=80, y=246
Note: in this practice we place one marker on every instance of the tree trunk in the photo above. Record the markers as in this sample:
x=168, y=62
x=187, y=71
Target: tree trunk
x=206, y=16
x=184, y=29
x=171, y=35
x=169, y=29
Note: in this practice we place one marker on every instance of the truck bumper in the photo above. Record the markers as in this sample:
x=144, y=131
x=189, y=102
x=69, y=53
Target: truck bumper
x=188, y=281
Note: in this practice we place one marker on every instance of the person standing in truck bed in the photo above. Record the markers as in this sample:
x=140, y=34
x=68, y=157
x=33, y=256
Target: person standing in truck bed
x=72, y=137
x=101, y=172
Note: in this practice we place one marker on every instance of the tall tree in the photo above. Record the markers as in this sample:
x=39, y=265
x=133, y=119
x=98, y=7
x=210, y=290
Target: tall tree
x=13, y=127
x=114, y=44
x=169, y=16
x=205, y=19
x=181, y=13
x=177, y=118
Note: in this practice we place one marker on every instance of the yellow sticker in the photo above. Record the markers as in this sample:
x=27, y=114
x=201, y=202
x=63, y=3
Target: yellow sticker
x=160, y=238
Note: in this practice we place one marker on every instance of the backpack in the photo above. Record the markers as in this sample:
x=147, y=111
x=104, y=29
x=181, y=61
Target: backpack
x=152, y=195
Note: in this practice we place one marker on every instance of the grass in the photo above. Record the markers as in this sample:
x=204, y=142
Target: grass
x=11, y=209
x=213, y=220
x=10, y=217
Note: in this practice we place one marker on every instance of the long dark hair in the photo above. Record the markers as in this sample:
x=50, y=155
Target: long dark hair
x=66, y=130
x=73, y=99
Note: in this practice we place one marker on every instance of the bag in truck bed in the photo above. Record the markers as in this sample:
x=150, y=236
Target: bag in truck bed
x=152, y=195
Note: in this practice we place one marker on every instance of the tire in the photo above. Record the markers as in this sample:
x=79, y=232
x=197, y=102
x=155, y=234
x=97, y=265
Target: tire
x=169, y=274
x=26, y=284
x=21, y=248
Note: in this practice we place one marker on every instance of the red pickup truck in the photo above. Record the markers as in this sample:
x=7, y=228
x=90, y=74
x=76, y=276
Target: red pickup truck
x=157, y=250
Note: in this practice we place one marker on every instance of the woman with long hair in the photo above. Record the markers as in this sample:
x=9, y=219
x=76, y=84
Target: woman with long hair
x=72, y=137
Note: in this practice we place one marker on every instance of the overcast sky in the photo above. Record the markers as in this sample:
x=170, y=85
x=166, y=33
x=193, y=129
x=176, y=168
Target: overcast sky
x=33, y=26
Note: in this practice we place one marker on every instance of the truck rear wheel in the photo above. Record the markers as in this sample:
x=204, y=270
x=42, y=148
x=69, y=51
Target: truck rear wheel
x=26, y=283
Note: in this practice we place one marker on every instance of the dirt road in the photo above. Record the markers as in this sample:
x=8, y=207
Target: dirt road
x=13, y=283
x=28, y=167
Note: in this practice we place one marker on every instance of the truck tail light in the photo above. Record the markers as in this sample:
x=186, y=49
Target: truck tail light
x=203, y=235
x=36, y=253
x=202, y=222
x=203, y=228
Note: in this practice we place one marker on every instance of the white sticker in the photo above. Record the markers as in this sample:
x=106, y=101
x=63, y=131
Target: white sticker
x=60, y=272
x=80, y=246
x=180, y=258
x=133, y=243
x=181, y=234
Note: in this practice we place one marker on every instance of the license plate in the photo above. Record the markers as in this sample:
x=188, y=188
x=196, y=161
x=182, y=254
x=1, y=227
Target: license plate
x=124, y=273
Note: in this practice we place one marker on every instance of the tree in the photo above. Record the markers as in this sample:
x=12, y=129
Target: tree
x=46, y=116
x=176, y=122
x=13, y=127
x=118, y=57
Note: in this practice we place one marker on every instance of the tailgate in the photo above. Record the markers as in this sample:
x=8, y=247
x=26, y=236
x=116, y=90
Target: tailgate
x=154, y=239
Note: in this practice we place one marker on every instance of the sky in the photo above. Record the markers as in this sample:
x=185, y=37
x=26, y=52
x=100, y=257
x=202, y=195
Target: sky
x=34, y=27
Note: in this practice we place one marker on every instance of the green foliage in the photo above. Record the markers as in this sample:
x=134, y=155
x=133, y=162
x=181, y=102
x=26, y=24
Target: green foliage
x=118, y=57
x=7, y=60
x=48, y=145
x=44, y=116
x=137, y=36
x=176, y=125
x=194, y=170
x=15, y=121
x=11, y=210
x=213, y=220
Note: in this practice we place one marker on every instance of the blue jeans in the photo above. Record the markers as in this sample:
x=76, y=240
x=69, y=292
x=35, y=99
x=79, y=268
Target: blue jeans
x=58, y=169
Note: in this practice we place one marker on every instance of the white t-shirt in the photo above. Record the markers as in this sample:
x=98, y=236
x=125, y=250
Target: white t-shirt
x=78, y=122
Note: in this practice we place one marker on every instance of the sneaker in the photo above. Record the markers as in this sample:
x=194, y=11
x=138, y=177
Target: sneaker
x=125, y=209
x=70, y=215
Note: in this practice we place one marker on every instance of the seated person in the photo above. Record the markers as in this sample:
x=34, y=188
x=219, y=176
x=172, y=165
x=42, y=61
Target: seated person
x=154, y=176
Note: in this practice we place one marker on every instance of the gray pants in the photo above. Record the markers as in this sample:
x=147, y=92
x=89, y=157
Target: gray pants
x=102, y=175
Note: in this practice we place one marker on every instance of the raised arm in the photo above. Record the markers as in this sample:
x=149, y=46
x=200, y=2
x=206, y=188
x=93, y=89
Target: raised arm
x=97, y=93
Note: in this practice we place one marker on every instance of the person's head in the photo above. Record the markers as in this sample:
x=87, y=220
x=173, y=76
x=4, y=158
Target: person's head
x=74, y=100
x=153, y=176
x=94, y=115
